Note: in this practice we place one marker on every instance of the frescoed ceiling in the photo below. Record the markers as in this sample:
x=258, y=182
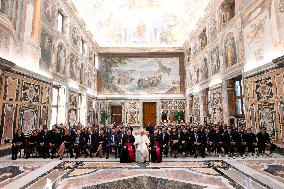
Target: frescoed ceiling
x=140, y=23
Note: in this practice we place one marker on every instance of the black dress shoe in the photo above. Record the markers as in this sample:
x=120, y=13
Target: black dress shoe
x=107, y=157
x=61, y=157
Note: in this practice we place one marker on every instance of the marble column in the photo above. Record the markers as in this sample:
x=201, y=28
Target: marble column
x=189, y=109
x=36, y=20
x=225, y=102
x=201, y=102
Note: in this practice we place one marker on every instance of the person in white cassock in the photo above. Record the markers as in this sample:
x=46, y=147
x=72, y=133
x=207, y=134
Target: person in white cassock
x=142, y=146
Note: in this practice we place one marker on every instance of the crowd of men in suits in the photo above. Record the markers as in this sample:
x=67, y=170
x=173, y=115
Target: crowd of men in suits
x=172, y=139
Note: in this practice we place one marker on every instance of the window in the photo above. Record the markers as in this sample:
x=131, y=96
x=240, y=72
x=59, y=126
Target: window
x=96, y=62
x=239, y=98
x=54, y=107
x=83, y=49
x=60, y=21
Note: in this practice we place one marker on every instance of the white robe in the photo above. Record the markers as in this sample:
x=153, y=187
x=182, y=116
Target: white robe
x=142, y=148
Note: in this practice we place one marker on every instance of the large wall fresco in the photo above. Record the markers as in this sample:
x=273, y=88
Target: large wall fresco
x=258, y=36
x=141, y=75
x=25, y=104
x=265, y=102
x=60, y=53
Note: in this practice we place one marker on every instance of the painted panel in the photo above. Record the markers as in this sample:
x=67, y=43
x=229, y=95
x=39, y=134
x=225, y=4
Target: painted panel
x=43, y=119
x=30, y=92
x=132, y=112
x=28, y=118
x=11, y=88
x=8, y=124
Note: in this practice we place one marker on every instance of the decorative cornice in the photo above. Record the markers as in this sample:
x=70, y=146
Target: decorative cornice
x=261, y=70
x=8, y=66
x=279, y=61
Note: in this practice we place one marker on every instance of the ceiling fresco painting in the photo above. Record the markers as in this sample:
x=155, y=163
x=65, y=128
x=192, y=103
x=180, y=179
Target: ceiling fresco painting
x=132, y=23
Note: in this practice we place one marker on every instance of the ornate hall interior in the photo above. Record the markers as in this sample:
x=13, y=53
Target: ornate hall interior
x=142, y=94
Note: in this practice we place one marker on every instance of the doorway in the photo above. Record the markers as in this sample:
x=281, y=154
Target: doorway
x=149, y=113
x=116, y=114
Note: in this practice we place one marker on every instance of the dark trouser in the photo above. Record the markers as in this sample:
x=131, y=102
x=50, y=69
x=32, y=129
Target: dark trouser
x=44, y=150
x=229, y=148
x=241, y=148
x=201, y=147
x=251, y=148
x=261, y=148
x=109, y=149
x=15, y=150
x=79, y=148
x=165, y=149
x=216, y=147
x=119, y=148
x=184, y=147
x=54, y=148
x=210, y=147
x=92, y=148
x=69, y=149
x=30, y=148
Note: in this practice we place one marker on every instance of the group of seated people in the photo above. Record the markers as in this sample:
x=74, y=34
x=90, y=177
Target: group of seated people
x=141, y=145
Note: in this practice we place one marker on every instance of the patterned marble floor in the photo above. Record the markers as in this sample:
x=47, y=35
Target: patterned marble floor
x=210, y=173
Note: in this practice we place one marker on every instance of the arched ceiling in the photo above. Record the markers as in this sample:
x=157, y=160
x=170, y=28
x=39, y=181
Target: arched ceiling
x=140, y=23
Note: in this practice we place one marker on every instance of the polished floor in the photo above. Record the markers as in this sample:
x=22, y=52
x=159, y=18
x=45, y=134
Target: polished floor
x=87, y=173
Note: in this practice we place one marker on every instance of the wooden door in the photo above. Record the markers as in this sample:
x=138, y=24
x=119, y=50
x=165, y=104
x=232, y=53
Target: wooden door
x=149, y=113
x=116, y=114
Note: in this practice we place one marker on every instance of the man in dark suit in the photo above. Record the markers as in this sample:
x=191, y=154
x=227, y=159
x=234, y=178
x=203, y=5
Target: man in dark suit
x=55, y=141
x=120, y=136
x=229, y=142
x=184, y=141
x=80, y=144
x=197, y=142
x=250, y=141
x=32, y=143
x=239, y=141
x=92, y=141
x=44, y=143
x=17, y=143
x=217, y=141
x=263, y=139
x=112, y=143
x=165, y=142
